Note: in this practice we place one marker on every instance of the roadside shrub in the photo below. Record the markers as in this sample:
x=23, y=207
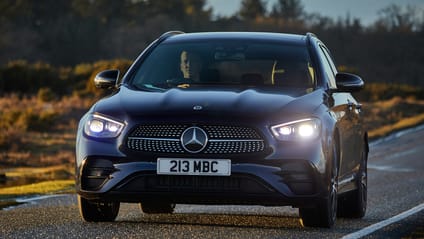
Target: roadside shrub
x=80, y=75
x=23, y=77
x=8, y=119
x=33, y=121
x=10, y=138
x=385, y=91
x=14, y=75
x=45, y=95
x=10, y=135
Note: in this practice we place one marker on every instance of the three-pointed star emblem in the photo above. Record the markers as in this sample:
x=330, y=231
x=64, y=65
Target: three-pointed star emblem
x=194, y=139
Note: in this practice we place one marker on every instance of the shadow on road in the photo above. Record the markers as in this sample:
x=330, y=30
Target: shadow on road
x=221, y=220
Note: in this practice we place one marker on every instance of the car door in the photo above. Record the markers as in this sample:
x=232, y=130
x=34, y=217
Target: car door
x=344, y=111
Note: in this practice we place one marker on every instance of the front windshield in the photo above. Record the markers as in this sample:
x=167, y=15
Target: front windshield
x=242, y=64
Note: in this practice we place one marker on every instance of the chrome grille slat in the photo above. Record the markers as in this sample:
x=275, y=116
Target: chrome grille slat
x=159, y=146
x=222, y=139
x=159, y=131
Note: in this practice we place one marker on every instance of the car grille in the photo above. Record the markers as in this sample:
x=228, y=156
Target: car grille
x=221, y=139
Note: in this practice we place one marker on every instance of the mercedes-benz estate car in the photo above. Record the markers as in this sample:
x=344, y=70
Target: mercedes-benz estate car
x=237, y=118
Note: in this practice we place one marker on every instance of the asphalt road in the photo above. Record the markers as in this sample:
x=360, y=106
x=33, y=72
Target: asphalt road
x=396, y=184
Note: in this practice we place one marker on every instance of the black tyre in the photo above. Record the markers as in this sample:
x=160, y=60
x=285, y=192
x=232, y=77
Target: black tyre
x=354, y=204
x=157, y=207
x=325, y=214
x=322, y=216
x=98, y=211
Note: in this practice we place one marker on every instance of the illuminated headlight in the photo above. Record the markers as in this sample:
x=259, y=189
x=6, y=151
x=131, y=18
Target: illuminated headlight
x=305, y=129
x=102, y=127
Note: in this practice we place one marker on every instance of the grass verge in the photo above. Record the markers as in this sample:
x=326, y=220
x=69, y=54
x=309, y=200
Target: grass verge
x=9, y=195
x=47, y=187
x=400, y=125
x=382, y=118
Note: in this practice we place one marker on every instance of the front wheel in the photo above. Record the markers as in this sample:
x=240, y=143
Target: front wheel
x=354, y=204
x=98, y=211
x=325, y=213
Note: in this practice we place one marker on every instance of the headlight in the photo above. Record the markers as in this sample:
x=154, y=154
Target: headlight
x=304, y=129
x=102, y=127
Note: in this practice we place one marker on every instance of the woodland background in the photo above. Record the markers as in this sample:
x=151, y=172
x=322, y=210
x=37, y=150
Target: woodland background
x=66, y=33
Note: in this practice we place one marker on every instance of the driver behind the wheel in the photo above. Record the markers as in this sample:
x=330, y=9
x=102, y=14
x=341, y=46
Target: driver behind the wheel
x=190, y=65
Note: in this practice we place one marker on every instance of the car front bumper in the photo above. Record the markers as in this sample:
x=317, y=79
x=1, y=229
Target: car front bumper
x=293, y=175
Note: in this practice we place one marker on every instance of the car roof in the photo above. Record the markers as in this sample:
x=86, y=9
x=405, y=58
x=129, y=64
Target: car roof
x=238, y=36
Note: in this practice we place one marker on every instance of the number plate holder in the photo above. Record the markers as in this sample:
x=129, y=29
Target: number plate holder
x=187, y=166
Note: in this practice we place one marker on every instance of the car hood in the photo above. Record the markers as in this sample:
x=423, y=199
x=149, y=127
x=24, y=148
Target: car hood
x=228, y=102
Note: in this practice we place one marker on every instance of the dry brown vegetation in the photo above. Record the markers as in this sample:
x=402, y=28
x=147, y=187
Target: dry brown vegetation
x=39, y=133
x=384, y=117
x=40, y=106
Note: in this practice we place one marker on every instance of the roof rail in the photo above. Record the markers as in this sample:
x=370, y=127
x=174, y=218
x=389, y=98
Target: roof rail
x=165, y=36
x=171, y=33
x=309, y=36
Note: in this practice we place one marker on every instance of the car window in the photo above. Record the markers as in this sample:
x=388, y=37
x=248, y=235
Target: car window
x=329, y=67
x=230, y=63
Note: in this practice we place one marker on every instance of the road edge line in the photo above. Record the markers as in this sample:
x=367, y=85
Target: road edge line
x=374, y=227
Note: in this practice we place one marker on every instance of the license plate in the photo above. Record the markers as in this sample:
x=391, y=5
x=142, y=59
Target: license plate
x=182, y=166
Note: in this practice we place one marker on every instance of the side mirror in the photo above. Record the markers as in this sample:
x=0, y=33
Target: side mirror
x=106, y=79
x=348, y=82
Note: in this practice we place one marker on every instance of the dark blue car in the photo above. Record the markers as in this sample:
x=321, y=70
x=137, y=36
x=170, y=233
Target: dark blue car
x=226, y=118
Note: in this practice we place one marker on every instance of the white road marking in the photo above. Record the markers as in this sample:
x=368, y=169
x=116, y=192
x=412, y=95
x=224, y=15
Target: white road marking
x=372, y=228
x=396, y=135
x=31, y=200
x=401, y=154
x=389, y=168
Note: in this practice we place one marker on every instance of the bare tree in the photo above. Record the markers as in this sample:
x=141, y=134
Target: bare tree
x=252, y=9
x=289, y=10
x=397, y=18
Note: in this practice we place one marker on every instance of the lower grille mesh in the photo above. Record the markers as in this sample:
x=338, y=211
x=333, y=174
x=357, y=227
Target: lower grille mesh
x=193, y=184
